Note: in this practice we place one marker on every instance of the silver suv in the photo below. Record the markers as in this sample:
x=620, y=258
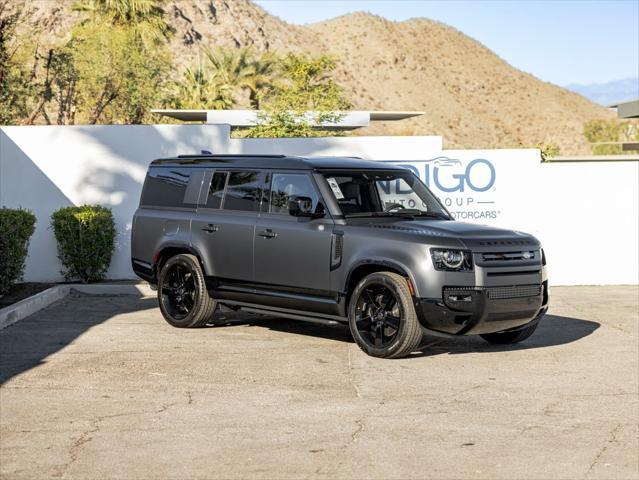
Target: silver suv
x=330, y=240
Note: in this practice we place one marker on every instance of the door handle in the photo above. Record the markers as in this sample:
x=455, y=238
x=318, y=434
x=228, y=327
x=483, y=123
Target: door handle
x=210, y=228
x=268, y=233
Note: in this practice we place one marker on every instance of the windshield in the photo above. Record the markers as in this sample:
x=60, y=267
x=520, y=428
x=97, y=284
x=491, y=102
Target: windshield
x=372, y=193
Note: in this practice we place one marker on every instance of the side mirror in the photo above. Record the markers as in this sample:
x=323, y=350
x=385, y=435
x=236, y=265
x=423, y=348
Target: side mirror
x=303, y=207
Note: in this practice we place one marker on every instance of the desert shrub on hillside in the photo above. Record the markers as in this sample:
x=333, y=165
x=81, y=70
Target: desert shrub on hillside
x=603, y=134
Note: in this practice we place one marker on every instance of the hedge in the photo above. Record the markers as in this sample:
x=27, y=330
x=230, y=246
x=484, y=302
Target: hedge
x=86, y=241
x=16, y=228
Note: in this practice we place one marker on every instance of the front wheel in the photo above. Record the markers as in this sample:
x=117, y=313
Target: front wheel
x=182, y=294
x=382, y=317
x=505, y=338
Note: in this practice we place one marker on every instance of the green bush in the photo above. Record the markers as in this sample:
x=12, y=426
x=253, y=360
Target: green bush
x=16, y=228
x=86, y=240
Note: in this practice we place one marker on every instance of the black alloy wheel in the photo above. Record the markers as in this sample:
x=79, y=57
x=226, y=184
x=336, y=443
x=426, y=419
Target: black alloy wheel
x=382, y=317
x=182, y=294
x=378, y=315
x=178, y=291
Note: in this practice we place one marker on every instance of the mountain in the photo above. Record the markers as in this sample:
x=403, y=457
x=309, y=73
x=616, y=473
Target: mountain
x=471, y=97
x=609, y=92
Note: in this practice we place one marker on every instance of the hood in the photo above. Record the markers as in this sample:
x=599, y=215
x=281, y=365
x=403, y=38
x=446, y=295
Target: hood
x=470, y=234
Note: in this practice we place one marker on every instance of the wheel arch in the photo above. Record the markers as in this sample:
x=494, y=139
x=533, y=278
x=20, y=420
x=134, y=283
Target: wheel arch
x=170, y=250
x=363, y=268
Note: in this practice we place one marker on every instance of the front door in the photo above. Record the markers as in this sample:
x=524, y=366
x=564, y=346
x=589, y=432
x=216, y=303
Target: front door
x=292, y=254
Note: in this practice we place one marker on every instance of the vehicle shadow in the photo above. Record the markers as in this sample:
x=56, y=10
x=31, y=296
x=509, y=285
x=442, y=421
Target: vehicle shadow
x=553, y=330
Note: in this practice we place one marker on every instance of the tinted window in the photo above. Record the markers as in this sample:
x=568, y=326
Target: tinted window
x=216, y=190
x=242, y=191
x=165, y=187
x=287, y=185
x=378, y=193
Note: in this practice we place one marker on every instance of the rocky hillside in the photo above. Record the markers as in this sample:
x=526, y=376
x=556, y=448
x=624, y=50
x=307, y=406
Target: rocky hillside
x=470, y=96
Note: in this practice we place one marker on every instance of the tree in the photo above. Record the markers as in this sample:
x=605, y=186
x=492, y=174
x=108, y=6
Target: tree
x=307, y=97
x=117, y=78
x=242, y=69
x=15, y=86
x=112, y=70
x=265, y=72
x=606, y=135
x=144, y=17
x=547, y=151
x=200, y=88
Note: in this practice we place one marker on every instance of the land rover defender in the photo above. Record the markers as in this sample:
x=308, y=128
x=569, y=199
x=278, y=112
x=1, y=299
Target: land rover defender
x=330, y=240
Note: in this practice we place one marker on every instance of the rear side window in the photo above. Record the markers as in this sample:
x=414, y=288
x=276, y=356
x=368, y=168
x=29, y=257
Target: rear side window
x=165, y=187
x=242, y=191
x=216, y=190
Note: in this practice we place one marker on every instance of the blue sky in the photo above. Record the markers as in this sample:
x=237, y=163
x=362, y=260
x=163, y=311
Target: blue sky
x=560, y=41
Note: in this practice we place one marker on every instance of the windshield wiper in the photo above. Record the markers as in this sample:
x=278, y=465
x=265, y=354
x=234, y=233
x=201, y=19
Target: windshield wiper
x=368, y=214
x=406, y=213
x=415, y=213
x=443, y=216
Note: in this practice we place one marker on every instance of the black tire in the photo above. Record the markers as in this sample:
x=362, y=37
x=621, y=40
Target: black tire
x=396, y=323
x=190, y=305
x=505, y=338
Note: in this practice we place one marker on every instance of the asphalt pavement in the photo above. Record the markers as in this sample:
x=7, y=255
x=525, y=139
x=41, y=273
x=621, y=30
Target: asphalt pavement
x=101, y=387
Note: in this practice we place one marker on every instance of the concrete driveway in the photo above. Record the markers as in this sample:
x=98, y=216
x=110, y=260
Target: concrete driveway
x=102, y=387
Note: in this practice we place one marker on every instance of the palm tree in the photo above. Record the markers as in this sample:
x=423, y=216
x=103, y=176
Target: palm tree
x=266, y=70
x=241, y=69
x=146, y=17
x=199, y=88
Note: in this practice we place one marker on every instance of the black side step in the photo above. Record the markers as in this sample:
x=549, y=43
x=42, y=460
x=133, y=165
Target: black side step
x=247, y=307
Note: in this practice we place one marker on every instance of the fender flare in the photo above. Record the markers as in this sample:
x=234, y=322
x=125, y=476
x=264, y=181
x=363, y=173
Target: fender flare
x=177, y=246
x=405, y=271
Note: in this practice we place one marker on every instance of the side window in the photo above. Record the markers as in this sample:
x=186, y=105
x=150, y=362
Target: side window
x=287, y=185
x=216, y=190
x=242, y=191
x=165, y=187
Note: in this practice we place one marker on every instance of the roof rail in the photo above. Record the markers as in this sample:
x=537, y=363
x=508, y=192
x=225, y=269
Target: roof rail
x=228, y=155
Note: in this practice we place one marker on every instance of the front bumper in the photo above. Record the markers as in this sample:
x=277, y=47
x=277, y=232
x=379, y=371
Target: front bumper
x=480, y=310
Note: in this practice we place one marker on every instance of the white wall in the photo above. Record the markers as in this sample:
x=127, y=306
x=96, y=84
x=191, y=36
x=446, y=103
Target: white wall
x=584, y=213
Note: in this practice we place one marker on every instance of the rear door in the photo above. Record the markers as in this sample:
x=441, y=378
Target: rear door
x=292, y=253
x=224, y=226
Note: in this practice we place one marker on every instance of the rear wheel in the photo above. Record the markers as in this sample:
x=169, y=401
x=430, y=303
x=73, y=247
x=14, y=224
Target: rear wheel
x=382, y=317
x=182, y=295
x=504, y=338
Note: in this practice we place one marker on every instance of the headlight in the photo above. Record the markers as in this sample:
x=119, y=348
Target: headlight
x=451, y=260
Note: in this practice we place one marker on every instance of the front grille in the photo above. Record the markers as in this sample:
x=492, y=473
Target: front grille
x=498, y=293
x=508, y=256
x=517, y=291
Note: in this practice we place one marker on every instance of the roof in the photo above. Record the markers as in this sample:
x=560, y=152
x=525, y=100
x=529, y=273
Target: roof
x=627, y=109
x=274, y=162
x=248, y=118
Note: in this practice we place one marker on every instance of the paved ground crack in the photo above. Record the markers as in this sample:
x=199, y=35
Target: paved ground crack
x=84, y=438
x=612, y=438
x=351, y=378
